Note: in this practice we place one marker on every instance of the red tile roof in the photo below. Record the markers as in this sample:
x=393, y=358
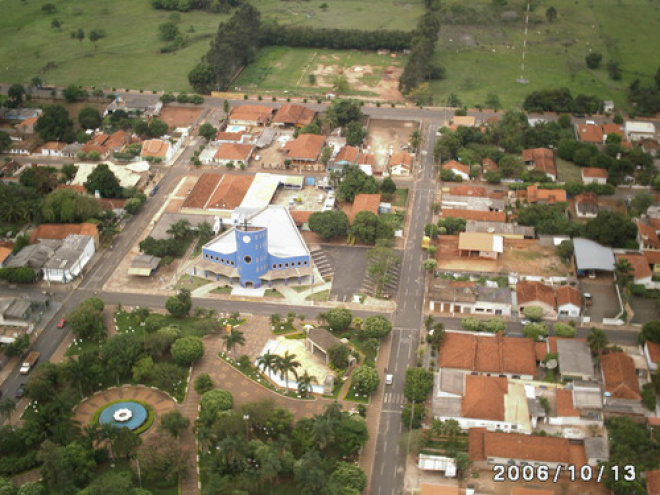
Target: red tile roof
x=300, y=217
x=60, y=231
x=53, y=145
x=202, y=190
x=234, y=151
x=590, y=133
x=653, y=482
x=654, y=351
x=484, y=397
x=402, y=158
x=514, y=446
x=487, y=354
x=594, y=173
x=542, y=159
x=568, y=295
x=613, y=129
x=251, y=113
x=156, y=148
x=620, y=376
x=4, y=253
x=366, y=159
x=532, y=291
x=230, y=192
x=653, y=257
x=638, y=263
x=489, y=165
x=112, y=203
x=482, y=216
x=456, y=167
x=305, y=147
x=565, y=406
x=229, y=136
x=473, y=191
x=347, y=154
x=648, y=234
x=534, y=194
x=365, y=202
x=294, y=115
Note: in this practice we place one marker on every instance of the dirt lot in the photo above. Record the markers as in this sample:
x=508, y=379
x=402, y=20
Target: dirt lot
x=179, y=116
x=519, y=256
x=384, y=81
x=386, y=136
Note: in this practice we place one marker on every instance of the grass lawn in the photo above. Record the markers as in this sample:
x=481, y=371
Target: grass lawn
x=568, y=171
x=273, y=293
x=300, y=288
x=352, y=396
x=279, y=68
x=222, y=290
x=485, y=57
x=185, y=282
x=401, y=197
x=129, y=322
x=319, y=296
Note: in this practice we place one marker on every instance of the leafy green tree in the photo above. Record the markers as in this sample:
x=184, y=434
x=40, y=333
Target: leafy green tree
x=471, y=324
x=68, y=206
x=73, y=93
x=494, y=325
x=551, y=14
x=55, y=124
x=214, y=402
x=111, y=483
x=89, y=118
x=162, y=458
x=338, y=355
x=342, y=112
x=346, y=477
x=65, y=469
x=86, y=322
x=536, y=331
x=534, y=313
x=565, y=250
x=493, y=102
x=5, y=141
x=355, y=133
x=355, y=182
x=611, y=229
x=15, y=94
x=207, y=131
x=96, y=34
x=103, y=180
x=388, y=187
x=179, y=305
x=328, y=224
x=312, y=128
x=157, y=128
x=418, y=384
x=377, y=327
x=174, y=423
x=614, y=70
x=365, y=227
x=365, y=379
x=641, y=202
x=412, y=416
x=310, y=477
x=651, y=331
x=187, y=350
x=338, y=319
x=31, y=488
x=18, y=347
x=168, y=31
x=594, y=60
x=563, y=330
x=202, y=77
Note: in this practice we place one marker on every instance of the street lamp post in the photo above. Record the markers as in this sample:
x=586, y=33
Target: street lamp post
x=246, y=418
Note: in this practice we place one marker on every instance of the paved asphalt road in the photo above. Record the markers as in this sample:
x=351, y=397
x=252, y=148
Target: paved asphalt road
x=387, y=476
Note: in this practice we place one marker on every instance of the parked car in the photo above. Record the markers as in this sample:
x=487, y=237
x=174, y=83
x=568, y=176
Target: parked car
x=61, y=323
x=19, y=391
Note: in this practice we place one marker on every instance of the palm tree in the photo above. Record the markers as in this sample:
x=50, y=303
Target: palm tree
x=204, y=231
x=180, y=229
x=305, y=383
x=76, y=373
x=232, y=339
x=323, y=432
x=598, y=341
x=126, y=441
x=267, y=361
x=109, y=432
x=92, y=434
x=287, y=364
x=7, y=407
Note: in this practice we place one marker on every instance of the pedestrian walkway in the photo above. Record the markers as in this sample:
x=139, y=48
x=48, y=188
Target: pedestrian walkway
x=394, y=398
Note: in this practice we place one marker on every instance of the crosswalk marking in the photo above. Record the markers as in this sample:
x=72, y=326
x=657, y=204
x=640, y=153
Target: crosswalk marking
x=393, y=398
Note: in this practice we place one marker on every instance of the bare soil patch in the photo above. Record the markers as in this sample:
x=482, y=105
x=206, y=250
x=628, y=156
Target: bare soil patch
x=179, y=116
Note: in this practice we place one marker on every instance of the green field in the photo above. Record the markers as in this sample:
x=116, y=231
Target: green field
x=129, y=56
x=278, y=69
x=485, y=56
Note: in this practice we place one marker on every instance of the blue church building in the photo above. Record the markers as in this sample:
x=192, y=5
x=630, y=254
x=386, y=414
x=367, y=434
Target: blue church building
x=261, y=247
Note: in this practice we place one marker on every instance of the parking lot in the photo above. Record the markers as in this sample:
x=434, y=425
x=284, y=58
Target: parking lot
x=349, y=266
x=644, y=309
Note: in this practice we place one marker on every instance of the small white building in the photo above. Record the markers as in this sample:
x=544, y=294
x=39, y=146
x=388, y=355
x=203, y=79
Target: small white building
x=594, y=175
x=52, y=148
x=569, y=302
x=636, y=130
x=69, y=259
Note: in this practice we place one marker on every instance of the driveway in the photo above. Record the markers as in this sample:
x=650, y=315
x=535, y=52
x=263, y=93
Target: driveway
x=605, y=301
x=350, y=265
x=644, y=309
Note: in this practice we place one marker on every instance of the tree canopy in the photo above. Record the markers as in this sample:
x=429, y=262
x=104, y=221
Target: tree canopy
x=55, y=124
x=328, y=224
x=103, y=180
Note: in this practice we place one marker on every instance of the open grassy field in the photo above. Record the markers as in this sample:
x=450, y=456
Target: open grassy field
x=129, y=56
x=279, y=69
x=483, y=54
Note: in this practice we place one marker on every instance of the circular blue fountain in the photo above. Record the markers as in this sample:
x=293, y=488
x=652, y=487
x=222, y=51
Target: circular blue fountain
x=127, y=414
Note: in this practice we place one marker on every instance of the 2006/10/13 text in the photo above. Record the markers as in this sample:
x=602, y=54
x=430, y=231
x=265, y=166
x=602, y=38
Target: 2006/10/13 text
x=574, y=473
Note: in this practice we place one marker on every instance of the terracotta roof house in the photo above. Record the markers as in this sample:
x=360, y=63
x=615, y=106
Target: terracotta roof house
x=532, y=293
x=306, y=148
x=620, y=376
x=367, y=163
x=157, y=148
x=27, y=126
x=542, y=159
x=565, y=406
x=594, y=175
x=653, y=482
x=481, y=244
x=586, y=205
x=296, y=115
x=647, y=236
x=250, y=115
x=569, y=302
x=589, y=133
x=400, y=163
x=300, y=217
x=489, y=165
x=612, y=128
x=484, y=397
x=652, y=354
x=4, y=254
x=60, y=231
x=545, y=196
x=364, y=202
x=52, y=148
x=514, y=357
x=115, y=205
x=471, y=191
x=500, y=448
x=463, y=171
x=347, y=156
x=233, y=152
x=481, y=216
x=228, y=137
x=641, y=270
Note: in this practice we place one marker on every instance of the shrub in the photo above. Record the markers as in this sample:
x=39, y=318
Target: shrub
x=534, y=313
x=563, y=330
x=203, y=383
x=187, y=350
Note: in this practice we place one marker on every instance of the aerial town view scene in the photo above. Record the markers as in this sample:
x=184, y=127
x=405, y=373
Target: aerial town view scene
x=329, y=247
